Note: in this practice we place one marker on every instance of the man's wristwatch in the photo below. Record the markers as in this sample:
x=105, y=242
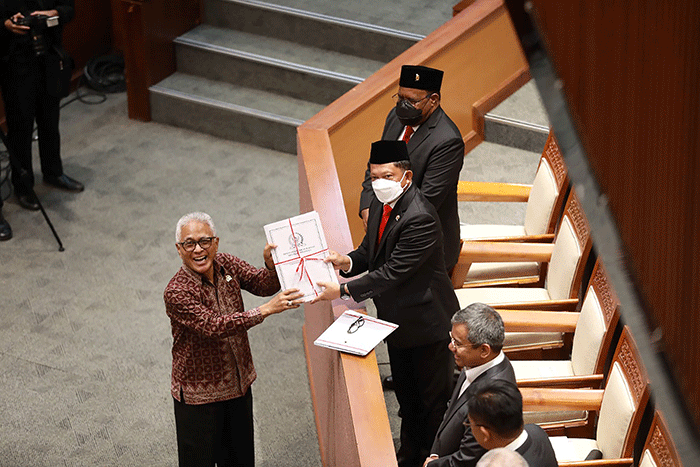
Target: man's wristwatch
x=344, y=294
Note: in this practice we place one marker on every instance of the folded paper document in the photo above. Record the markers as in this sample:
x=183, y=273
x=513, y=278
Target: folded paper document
x=301, y=247
x=355, y=333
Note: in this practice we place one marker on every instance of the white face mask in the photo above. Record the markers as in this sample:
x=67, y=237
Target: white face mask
x=387, y=190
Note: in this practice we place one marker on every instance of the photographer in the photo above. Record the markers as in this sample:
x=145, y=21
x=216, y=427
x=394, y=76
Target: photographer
x=29, y=43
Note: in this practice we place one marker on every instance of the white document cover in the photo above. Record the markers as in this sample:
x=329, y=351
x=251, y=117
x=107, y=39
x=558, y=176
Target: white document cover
x=301, y=247
x=363, y=338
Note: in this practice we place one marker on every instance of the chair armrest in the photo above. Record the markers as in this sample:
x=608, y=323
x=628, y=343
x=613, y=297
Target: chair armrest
x=544, y=238
x=571, y=382
x=621, y=462
x=539, y=321
x=475, y=252
x=567, y=304
x=555, y=399
x=492, y=191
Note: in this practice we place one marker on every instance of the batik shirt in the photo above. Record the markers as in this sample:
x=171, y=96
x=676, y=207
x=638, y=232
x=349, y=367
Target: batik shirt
x=211, y=353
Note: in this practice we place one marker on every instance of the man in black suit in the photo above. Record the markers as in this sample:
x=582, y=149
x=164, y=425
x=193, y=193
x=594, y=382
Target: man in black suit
x=435, y=147
x=496, y=420
x=403, y=256
x=27, y=84
x=476, y=342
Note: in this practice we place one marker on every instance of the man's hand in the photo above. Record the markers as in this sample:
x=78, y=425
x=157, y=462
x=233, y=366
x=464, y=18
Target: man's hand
x=428, y=460
x=285, y=300
x=339, y=261
x=267, y=254
x=12, y=26
x=48, y=13
x=331, y=291
x=364, y=214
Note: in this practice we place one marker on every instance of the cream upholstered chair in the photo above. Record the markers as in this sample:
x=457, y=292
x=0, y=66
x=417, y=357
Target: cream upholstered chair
x=566, y=257
x=545, y=200
x=593, y=328
x=659, y=450
x=592, y=337
x=620, y=407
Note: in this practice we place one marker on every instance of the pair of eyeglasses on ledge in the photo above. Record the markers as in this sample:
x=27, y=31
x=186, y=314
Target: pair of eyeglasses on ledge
x=357, y=324
x=190, y=245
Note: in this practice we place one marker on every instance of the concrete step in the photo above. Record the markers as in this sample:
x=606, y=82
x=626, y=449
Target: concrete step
x=230, y=111
x=305, y=27
x=520, y=121
x=270, y=64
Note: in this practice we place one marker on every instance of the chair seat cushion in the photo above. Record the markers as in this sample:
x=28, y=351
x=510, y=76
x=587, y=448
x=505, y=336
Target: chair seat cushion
x=482, y=231
x=501, y=295
x=481, y=272
x=537, y=369
x=572, y=449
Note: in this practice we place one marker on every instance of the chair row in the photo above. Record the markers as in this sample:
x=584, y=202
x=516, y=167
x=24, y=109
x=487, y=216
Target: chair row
x=534, y=275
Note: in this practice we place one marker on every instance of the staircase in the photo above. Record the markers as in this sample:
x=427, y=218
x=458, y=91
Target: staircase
x=254, y=71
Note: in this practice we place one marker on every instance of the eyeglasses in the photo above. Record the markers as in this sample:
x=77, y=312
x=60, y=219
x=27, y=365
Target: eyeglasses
x=357, y=324
x=190, y=245
x=457, y=345
x=413, y=102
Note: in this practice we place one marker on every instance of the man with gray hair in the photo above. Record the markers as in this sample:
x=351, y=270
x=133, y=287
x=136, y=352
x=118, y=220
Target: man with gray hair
x=212, y=364
x=476, y=341
x=502, y=457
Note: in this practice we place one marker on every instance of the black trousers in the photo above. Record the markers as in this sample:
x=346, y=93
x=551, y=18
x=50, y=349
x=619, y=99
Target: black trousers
x=23, y=86
x=423, y=385
x=219, y=433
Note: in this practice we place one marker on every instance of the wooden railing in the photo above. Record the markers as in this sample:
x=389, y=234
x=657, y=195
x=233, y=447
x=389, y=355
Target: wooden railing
x=483, y=64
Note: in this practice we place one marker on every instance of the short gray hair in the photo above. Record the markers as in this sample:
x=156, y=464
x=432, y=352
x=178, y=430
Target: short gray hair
x=502, y=457
x=484, y=323
x=194, y=216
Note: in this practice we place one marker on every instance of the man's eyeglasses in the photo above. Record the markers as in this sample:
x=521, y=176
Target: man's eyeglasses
x=457, y=345
x=357, y=324
x=397, y=98
x=190, y=245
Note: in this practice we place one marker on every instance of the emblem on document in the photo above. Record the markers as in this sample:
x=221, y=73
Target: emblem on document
x=296, y=239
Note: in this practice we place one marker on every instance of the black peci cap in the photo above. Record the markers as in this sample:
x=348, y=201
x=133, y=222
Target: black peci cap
x=421, y=77
x=384, y=152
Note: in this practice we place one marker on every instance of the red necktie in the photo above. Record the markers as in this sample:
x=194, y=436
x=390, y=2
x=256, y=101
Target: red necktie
x=407, y=134
x=385, y=219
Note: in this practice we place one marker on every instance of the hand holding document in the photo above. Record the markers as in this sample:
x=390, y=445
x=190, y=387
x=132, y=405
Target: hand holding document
x=301, y=248
x=355, y=333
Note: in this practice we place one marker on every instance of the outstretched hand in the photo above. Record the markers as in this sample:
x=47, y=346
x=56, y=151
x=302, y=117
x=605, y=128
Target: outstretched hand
x=331, y=291
x=337, y=260
x=285, y=300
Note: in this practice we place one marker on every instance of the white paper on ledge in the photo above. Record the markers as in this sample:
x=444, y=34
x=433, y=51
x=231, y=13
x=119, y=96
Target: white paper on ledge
x=362, y=341
x=301, y=247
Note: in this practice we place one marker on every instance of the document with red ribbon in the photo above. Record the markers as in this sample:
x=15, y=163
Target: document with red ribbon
x=301, y=247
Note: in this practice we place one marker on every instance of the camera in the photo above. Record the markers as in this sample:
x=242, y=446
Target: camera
x=37, y=25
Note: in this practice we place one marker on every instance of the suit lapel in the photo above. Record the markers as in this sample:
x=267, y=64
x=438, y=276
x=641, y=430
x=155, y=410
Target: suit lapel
x=454, y=401
x=395, y=216
x=375, y=217
x=424, y=130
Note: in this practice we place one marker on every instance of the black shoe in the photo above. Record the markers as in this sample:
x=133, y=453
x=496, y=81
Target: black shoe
x=5, y=229
x=388, y=383
x=27, y=202
x=65, y=182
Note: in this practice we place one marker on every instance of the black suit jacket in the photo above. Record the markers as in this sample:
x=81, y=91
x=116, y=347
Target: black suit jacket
x=436, y=151
x=537, y=449
x=454, y=442
x=406, y=272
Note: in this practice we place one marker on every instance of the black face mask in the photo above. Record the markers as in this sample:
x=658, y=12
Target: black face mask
x=408, y=114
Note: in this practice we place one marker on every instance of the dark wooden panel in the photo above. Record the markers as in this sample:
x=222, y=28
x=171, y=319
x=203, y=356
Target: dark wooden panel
x=146, y=29
x=89, y=34
x=630, y=72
